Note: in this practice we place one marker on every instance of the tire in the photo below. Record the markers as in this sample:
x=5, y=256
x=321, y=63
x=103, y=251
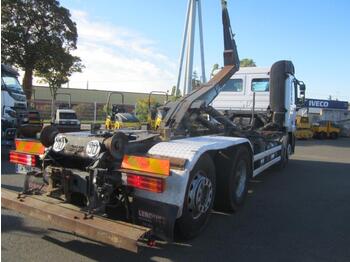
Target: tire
x=233, y=186
x=195, y=215
x=334, y=135
x=323, y=135
x=285, y=154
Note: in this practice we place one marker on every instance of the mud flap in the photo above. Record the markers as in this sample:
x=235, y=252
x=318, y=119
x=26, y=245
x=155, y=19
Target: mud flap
x=156, y=215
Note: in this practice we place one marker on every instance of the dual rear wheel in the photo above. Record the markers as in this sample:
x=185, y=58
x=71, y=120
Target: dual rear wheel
x=201, y=191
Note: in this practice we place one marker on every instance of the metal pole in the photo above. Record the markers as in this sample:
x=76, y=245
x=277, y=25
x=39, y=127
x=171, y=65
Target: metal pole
x=253, y=111
x=201, y=40
x=191, y=32
x=184, y=38
x=95, y=111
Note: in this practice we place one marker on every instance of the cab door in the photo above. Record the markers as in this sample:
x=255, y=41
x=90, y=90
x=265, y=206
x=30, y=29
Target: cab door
x=258, y=84
x=232, y=94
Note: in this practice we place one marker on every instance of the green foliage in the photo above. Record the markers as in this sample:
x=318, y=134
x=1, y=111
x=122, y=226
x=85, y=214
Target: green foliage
x=215, y=68
x=38, y=36
x=105, y=109
x=174, y=96
x=57, y=70
x=195, y=80
x=247, y=62
x=142, y=108
x=84, y=111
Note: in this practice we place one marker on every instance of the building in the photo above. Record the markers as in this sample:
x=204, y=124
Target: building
x=329, y=110
x=87, y=102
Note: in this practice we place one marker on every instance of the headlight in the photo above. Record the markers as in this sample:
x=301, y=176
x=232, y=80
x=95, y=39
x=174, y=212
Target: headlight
x=93, y=148
x=60, y=143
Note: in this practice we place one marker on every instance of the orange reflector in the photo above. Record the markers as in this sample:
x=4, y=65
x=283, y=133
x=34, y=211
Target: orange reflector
x=23, y=159
x=147, y=183
x=147, y=164
x=30, y=146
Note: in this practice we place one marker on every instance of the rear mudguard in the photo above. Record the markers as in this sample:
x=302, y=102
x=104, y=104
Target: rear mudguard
x=190, y=149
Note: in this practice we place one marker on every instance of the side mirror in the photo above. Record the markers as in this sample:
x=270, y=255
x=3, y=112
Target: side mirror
x=302, y=89
x=299, y=96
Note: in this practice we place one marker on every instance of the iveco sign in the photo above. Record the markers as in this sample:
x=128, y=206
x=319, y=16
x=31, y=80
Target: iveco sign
x=318, y=103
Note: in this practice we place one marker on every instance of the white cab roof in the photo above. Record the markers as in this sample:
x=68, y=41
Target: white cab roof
x=253, y=70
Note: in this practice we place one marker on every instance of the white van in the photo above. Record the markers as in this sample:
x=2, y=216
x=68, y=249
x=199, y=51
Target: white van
x=237, y=93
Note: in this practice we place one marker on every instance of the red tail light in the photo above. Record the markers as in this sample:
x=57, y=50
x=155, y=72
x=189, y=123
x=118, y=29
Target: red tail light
x=23, y=159
x=147, y=183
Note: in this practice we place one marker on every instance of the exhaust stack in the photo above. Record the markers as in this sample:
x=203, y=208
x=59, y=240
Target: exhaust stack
x=278, y=74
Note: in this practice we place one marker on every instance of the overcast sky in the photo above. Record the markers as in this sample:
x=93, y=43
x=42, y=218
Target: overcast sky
x=135, y=45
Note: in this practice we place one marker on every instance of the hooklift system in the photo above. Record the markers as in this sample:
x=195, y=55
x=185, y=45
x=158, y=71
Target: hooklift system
x=61, y=214
x=162, y=179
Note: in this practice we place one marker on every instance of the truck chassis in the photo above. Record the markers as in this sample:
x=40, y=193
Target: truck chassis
x=165, y=180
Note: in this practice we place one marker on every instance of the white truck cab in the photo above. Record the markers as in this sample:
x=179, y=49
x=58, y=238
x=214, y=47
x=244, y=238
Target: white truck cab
x=13, y=104
x=238, y=94
x=67, y=119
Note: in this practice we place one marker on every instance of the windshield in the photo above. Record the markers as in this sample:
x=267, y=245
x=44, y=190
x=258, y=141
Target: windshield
x=67, y=115
x=127, y=117
x=11, y=83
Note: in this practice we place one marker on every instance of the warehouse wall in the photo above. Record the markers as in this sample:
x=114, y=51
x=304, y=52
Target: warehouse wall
x=85, y=102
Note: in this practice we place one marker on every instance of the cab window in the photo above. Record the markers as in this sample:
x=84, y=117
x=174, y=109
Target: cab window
x=68, y=115
x=233, y=85
x=260, y=85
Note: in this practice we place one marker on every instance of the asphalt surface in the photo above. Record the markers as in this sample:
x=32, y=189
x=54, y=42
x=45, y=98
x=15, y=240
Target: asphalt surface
x=299, y=214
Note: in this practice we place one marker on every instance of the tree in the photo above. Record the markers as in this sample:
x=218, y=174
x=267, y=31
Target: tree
x=174, y=96
x=247, y=62
x=215, y=68
x=195, y=80
x=29, y=30
x=142, y=108
x=56, y=71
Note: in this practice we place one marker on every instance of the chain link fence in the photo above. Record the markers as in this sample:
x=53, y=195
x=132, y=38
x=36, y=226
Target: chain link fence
x=86, y=112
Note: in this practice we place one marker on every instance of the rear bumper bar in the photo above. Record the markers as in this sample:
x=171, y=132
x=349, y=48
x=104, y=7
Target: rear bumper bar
x=119, y=234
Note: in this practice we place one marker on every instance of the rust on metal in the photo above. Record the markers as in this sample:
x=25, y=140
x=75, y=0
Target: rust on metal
x=117, y=233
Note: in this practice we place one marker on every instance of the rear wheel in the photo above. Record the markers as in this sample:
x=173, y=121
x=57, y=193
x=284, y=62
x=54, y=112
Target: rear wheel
x=334, y=135
x=199, y=199
x=323, y=135
x=285, y=154
x=233, y=185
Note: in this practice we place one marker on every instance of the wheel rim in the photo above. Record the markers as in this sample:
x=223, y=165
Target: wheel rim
x=241, y=178
x=200, y=195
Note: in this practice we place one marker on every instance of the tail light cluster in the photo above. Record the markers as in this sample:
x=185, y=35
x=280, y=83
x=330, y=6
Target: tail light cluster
x=146, y=183
x=23, y=159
